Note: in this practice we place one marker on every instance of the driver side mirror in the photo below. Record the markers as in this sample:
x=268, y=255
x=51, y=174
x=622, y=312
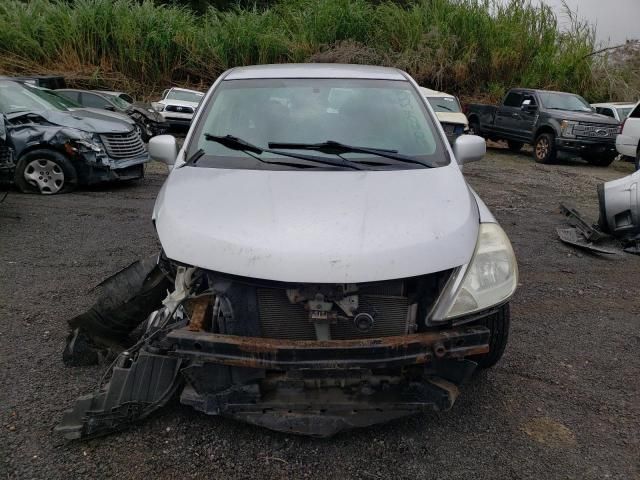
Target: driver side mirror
x=469, y=148
x=527, y=106
x=163, y=148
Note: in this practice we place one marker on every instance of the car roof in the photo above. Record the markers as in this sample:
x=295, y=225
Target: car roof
x=315, y=70
x=427, y=92
x=186, y=90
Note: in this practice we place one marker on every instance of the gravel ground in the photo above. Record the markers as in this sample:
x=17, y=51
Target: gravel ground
x=563, y=403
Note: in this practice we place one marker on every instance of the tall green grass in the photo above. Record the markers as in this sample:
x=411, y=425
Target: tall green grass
x=470, y=47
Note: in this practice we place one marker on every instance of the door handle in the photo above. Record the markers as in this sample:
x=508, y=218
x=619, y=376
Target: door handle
x=516, y=115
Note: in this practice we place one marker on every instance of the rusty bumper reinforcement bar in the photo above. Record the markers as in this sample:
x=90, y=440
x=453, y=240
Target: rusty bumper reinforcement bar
x=278, y=354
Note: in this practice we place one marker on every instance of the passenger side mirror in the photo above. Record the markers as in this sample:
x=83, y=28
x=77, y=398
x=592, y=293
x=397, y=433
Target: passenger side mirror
x=111, y=108
x=163, y=148
x=469, y=148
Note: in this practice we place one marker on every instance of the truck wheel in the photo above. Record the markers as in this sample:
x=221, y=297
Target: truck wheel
x=544, y=148
x=474, y=127
x=603, y=160
x=498, y=324
x=45, y=171
x=515, y=146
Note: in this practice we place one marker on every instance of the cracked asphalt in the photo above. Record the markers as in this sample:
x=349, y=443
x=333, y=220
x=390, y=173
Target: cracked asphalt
x=564, y=403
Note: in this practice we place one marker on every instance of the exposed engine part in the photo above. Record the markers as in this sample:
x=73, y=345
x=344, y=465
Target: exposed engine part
x=208, y=334
x=364, y=321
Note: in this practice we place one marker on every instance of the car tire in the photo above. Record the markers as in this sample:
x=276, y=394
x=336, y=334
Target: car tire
x=474, y=127
x=544, y=148
x=46, y=172
x=515, y=146
x=603, y=160
x=498, y=324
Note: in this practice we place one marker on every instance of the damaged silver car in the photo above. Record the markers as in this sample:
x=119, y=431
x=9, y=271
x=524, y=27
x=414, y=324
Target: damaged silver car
x=327, y=266
x=51, y=148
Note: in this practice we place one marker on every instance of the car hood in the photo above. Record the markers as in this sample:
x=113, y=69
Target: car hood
x=452, y=117
x=147, y=110
x=179, y=103
x=90, y=121
x=117, y=115
x=589, y=117
x=318, y=227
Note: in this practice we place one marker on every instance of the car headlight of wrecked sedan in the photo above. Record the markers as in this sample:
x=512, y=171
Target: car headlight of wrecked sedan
x=488, y=280
x=567, y=128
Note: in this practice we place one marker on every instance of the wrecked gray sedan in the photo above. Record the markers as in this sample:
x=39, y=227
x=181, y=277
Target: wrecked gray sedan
x=325, y=265
x=49, y=148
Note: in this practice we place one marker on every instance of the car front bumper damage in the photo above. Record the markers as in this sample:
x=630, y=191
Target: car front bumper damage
x=309, y=387
x=304, y=387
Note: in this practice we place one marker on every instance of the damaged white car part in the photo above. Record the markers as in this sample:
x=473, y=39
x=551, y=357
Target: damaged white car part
x=330, y=266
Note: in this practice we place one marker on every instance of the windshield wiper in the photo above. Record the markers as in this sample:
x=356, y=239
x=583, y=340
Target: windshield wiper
x=337, y=148
x=235, y=143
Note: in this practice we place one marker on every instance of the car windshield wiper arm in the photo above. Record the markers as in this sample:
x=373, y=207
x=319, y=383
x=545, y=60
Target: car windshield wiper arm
x=338, y=148
x=235, y=143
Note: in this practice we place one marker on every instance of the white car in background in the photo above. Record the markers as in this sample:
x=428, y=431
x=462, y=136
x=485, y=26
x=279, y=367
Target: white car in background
x=628, y=142
x=617, y=110
x=449, y=113
x=178, y=106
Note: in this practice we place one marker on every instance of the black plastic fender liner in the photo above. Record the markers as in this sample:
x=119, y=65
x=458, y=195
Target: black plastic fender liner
x=137, y=388
x=124, y=301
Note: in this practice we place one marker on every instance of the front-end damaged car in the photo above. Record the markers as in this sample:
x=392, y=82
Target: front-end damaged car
x=329, y=266
x=54, y=148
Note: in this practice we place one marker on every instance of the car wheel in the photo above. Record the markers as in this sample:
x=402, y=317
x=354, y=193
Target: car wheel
x=544, y=148
x=498, y=325
x=515, y=146
x=474, y=127
x=45, y=171
x=603, y=160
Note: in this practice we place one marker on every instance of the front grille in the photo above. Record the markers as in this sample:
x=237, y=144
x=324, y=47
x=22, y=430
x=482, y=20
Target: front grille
x=178, y=109
x=595, y=130
x=123, y=145
x=281, y=319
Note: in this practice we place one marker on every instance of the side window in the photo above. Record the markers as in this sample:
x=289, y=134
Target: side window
x=605, y=111
x=636, y=112
x=70, y=95
x=513, y=99
x=94, y=101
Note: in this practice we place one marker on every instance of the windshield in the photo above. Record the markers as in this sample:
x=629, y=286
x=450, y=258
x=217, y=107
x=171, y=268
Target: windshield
x=117, y=101
x=375, y=114
x=564, y=101
x=624, y=112
x=15, y=97
x=444, y=104
x=183, y=96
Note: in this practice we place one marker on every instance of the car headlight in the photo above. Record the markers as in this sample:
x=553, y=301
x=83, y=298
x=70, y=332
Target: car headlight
x=489, y=279
x=566, y=128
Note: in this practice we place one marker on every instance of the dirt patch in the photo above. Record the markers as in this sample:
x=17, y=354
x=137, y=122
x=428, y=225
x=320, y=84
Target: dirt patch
x=549, y=432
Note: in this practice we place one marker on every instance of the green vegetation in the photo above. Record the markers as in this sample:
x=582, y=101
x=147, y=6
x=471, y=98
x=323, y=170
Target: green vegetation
x=472, y=47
